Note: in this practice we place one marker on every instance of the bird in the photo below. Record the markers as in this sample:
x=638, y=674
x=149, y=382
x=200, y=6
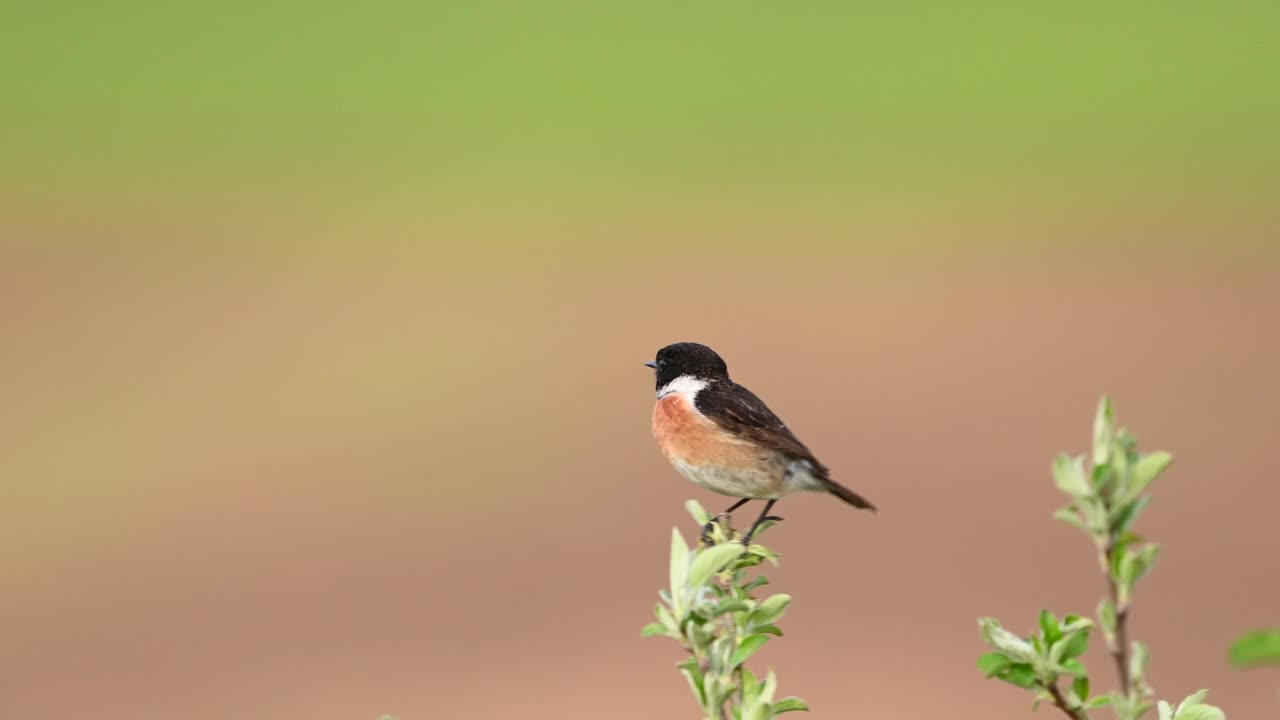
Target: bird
x=721, y=437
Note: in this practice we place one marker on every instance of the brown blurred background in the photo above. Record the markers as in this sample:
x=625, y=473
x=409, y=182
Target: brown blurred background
x=321, y=374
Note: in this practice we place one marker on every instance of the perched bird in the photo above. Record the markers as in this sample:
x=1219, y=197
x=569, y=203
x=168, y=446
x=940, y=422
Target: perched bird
x=722, y=437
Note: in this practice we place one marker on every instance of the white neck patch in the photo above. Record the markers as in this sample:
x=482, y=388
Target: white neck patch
x=686, y=385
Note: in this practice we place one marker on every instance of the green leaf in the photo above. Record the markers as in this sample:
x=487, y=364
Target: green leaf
x=1201, y=712
x=1131, y=707
x=664, y=616
x=653, y=629
x=1129, y=538
x=1081, y=687
x=760, y=708
x=993, y=662
x=1049, y=626
x=1137, y=563
x=1107, y=616
x=770, y=687
x=757, y=581
x=1006, y=642
x=698, y=634
x=1124, y=516
x=1193, y=708
x=1147, y=555
x=1019, y=674
x=760, y=550
x=1260, y=647
x=679, y=564
x=1102, y=475
x=1068, y=473
x=1122, y=456
x=1072, y=623
x=790, y=704
x=1093, y=514
x=769, y=610
x=748, y=648
x=770, y=629
x=1098, y=702
x=1194, y=698
x=712, y=560
x=1119, y=555
x=729, y=606
x=750, y=687
x=1069, y=515
x=1147, y=468
x=1076, y=644
x=1073, y=667
x=697, y=512
x=689, y=668
x=1138, y=658
x=1104, y=428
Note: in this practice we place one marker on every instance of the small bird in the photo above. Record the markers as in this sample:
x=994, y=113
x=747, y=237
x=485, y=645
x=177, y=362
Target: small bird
x=722, y=437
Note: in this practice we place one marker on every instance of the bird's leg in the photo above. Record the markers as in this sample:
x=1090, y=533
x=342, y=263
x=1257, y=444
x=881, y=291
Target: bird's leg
x=706, y=529
x=764, y=515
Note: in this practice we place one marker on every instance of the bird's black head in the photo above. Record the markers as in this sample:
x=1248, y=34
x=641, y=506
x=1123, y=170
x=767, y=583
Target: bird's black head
x=687, y=358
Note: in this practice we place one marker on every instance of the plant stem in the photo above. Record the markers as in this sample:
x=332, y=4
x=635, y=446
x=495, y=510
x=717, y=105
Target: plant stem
x=1060, y=702
x=1119, y=649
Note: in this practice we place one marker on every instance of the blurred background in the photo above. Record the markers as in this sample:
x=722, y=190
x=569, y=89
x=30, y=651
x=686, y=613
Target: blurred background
x=321, y=390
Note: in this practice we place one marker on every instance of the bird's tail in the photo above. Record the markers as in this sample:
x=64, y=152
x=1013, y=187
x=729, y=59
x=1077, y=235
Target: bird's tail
x=847, y=495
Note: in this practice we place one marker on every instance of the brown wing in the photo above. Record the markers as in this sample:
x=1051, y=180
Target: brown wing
x=739, y=411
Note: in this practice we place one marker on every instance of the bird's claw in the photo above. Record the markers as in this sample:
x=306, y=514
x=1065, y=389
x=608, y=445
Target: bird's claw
x=705, y=536
x=746, y=540
x=710, y=526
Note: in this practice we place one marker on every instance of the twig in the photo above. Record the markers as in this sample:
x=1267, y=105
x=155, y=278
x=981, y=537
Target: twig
x=1060, y=702
x=1119, y=649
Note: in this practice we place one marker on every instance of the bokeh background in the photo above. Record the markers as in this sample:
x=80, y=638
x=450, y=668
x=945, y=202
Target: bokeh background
x=320, y=383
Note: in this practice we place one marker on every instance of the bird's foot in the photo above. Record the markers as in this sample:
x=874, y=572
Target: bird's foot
x=709, y=528
x=746, y=539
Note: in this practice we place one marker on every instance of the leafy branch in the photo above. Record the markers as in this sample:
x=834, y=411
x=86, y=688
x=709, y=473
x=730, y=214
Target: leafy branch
x=710, y=610
x=1107, y=496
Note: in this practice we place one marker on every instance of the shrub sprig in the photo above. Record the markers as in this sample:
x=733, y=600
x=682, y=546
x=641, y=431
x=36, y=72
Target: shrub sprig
x=711, y=609
x=1107, y=495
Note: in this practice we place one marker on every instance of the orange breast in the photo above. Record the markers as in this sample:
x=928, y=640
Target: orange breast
x=686, y=435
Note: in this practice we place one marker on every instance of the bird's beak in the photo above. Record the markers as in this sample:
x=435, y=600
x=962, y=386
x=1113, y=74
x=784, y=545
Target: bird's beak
x=651, y=364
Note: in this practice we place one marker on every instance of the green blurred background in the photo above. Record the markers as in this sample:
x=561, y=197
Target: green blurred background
x=323, y=326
